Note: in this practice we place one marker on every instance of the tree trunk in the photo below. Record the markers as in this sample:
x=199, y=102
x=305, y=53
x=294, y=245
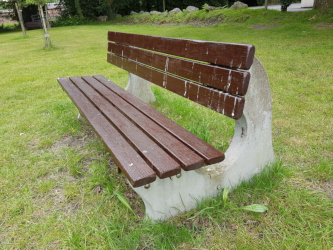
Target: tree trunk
x=111, y=11
x=48, y=25
x=47, y=36
x=78, y=8
x=323, y=4
x=266, y=3
x=283, y=8
x=19, y=13
x=164, y=5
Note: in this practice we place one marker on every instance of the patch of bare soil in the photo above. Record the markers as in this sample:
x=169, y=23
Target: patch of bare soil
x=261, y=27
x=322, y=187
x=56, y=198
x=325, y=187
x=324, y=26
x=76, y=142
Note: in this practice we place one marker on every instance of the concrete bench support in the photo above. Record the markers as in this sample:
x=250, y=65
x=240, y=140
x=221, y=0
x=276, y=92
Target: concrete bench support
x=140, y=88
x=250, y=150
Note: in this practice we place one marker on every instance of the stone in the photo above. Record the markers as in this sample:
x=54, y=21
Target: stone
x=191, y=9
x=249, y=152
x=154, y=12
x=174, y=11
x=140, y=88
x=133, y=13
x=118, y=15
x=144, y=12
x=102, y=18
x=239, y=5
x=210, y=8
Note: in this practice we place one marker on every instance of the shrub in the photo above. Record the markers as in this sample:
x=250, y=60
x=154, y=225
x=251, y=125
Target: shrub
x=69, y=21
x=285, y=4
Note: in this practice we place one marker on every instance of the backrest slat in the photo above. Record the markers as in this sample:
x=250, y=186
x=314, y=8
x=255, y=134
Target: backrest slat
x=219, y=101
x=232, y=81
x=238, y=56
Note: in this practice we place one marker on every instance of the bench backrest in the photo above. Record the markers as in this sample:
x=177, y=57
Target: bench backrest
x=212, y=74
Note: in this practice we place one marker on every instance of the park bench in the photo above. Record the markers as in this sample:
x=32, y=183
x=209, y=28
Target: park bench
x=169, y=167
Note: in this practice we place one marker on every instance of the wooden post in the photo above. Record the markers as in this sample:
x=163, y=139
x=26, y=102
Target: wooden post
x=19, y=12
x=47, y=36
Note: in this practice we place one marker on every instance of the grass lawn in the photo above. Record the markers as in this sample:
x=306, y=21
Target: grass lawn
x=57, y=181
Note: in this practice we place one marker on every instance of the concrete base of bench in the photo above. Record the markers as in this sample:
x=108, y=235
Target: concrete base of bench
x=140, y=88
x=249, y=152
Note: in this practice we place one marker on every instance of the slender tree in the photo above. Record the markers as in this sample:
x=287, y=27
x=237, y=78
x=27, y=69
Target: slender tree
x=19, y=13
x=40, y=4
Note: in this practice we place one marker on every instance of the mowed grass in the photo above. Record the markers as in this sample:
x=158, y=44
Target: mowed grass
x=57, y=181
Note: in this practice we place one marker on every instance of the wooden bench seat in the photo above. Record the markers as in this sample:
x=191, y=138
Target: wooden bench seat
x=148, y=147
x=143, y=142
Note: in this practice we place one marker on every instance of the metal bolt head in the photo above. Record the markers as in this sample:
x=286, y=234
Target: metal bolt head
x=147, y=186
x=179, y=175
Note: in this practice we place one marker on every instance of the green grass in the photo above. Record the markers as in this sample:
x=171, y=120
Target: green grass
x=58, y=183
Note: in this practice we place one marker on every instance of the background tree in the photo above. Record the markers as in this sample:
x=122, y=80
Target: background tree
x=40, y=4
x=19, y=12
x=323, y=4
x=285, y=4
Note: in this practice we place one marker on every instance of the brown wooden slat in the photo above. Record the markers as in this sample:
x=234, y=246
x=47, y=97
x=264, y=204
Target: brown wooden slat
x=209, y=153
x=228, y=80
x=132, y=165
x=188, y=159
x=239, y=56
x=161, y=162
x=219, y=101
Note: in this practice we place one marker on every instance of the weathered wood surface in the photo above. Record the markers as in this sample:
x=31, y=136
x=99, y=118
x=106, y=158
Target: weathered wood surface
x=188, y=159
x=238, y=56
x=206, y=151
x=216, y=100
x=162, y=163
x=228, y=80
x=137, y=171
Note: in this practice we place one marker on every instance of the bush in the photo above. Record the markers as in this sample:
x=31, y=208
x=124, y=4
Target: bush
x=69, y=21
x=285, y=4
x=89, y=9
x=8, y=27
x=261, y=2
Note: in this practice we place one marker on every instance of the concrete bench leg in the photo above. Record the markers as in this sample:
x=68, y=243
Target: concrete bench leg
x=80, y=117
x=140, y=88
x=250, y=150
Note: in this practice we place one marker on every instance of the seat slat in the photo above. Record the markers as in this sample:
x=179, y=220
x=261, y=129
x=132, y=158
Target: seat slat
x=127, y=159
x=188, y=159
x=161, y=162
x=232, y=81
x=209, y=153
x=219, y=101
x=239, y=56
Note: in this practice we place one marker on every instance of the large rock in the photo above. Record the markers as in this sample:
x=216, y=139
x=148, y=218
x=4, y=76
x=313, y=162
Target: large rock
x=154, y=12
x=174, y=11
x=239, y=5
x=133, y=13
x=191, y=9
x=210, y=8
x=119, y=15
x=102, y=18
